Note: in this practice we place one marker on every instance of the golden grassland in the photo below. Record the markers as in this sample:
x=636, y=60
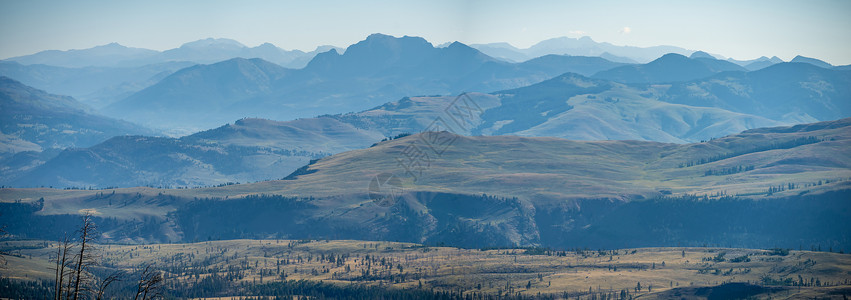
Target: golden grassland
x=496, y=271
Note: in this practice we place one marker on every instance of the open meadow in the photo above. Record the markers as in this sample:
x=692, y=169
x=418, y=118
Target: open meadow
x=237, y=267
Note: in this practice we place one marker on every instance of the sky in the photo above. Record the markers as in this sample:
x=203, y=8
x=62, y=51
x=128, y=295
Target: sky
x=737, y=29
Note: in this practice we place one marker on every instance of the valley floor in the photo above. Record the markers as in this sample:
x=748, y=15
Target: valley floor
x=233, y=266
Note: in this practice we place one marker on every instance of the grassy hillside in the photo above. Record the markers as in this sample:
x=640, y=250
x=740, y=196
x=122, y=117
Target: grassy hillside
x=531, y=167
x=579, y=108
x=313, y=134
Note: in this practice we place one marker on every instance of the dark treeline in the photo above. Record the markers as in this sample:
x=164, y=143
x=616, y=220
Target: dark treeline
x=320, y=290
x=215, y=286
x=255, y=216
x=312, y=289
x=303, y=170
x=758, y=148
x=821, y=221
x=398, y=136
x=796, y=222
x=728, y=171
x=21, y=220
x=23, y=289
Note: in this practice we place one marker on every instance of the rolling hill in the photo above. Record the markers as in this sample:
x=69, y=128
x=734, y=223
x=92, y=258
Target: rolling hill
x=246, y=151
x=607, y=167
x=580, y=108
x=53, y=121
x=36, y=125
x=508, y=190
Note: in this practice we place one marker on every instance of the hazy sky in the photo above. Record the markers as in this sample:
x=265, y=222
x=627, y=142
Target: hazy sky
x=739, y=28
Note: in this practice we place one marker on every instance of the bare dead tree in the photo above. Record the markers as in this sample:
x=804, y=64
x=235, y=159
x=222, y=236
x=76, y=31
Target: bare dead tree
x=84, y=258
x=69, y=284
x=57, y=281
x=62, y=263
x=115, y=276
x=75, y=260
x=3, y=234
x=150, y=282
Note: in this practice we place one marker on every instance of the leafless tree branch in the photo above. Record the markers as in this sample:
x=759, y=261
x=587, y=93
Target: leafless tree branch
x=150, y=282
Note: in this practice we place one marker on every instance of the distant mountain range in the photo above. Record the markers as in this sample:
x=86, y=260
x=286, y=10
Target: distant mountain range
x=584, y=46
x=759, y=63
x=94, y=86
x=104, y=74
x=669, y=68
x=369, y=73
x=199, y=52
x=109, y=55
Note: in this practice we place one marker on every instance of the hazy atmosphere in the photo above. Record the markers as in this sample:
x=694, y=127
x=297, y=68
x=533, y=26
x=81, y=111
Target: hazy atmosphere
x=470, y=150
